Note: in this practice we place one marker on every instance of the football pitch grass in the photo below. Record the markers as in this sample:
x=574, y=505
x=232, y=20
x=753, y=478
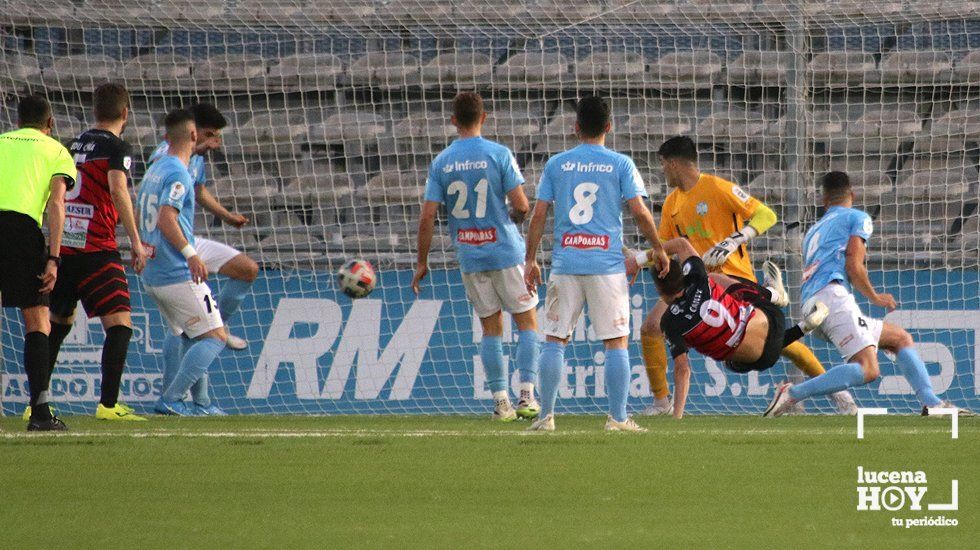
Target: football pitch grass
x=456, y=482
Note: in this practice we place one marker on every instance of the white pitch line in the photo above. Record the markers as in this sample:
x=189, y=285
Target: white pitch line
x=356, y=433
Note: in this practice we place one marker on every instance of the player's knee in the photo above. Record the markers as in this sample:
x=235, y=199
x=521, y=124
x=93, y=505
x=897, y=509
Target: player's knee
x=527, y=320
x=869, y=366
x=251, y=270
x=37, y=319
x=903, y=340
x=651, y=328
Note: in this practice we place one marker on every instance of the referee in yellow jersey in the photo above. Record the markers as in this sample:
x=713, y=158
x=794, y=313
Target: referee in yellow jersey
x=718, y=218
x=35, y=173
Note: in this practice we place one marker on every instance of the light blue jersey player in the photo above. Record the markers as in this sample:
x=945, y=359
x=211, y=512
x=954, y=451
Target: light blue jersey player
x=476, y=178
x=589, y=186
x=240, y=270
x=834, y=251
x=175, y=274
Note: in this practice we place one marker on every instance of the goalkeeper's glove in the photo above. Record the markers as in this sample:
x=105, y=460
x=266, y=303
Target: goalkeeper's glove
x=719, y=253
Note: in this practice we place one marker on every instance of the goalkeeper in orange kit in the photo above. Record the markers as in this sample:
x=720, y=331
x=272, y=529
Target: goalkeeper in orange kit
x=719, y=219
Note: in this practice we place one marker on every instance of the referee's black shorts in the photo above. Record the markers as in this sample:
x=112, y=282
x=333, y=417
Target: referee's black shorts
x=22, y=259
x=98, y=279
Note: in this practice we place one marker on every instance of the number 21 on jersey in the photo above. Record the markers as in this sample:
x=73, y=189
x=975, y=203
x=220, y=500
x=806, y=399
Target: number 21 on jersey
x=458, y=188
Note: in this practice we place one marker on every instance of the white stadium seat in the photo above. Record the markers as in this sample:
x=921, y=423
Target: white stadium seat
x=686, y=69
x=843, y=68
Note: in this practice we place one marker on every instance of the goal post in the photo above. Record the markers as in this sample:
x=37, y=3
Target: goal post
x=337, y=108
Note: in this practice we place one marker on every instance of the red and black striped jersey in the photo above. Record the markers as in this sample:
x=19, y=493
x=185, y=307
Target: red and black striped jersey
x=90, y=214
x=706, y=317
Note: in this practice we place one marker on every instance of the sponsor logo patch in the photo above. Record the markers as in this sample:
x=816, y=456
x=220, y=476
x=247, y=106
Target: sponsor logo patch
x=79, y=210
x=127, y=162
x=585, y=241
x=589, y=167
x=740, y=193
x=476, y=237
x=177, y=191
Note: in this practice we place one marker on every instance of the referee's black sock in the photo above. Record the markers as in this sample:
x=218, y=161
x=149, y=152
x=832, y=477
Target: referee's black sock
x=36, y=364
x=58, y=334
x=113, y=361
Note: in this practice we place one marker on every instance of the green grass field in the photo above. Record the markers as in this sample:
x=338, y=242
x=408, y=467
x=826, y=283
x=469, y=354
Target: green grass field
x=423, y=482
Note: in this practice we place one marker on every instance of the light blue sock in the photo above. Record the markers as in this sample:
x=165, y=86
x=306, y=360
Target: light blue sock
x=492, y=355
x=528, y=349
x=174, y=348
x=550, y=365
x=914, y=370
x=839, y=378
x=194, y=364
x=617, y=382
x=200, y=392
x=233, y=292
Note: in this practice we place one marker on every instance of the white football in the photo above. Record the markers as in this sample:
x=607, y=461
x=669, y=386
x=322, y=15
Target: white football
x=357, y=278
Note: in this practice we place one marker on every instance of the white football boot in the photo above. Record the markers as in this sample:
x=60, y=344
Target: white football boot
x=543, y=424
x=844, y=402
x=503, y=411
x=773, y=278
x=781, y=401
x=960, y=411
x=814, y=314
x=236, y=343
x=660, y=407
x=628, y=425
x=527, y=406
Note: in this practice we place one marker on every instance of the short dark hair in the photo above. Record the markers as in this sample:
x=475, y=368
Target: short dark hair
x=208, y=116
x=836, y=186
x=672, y=283
x=33, y=110
x=679, y=147
x=467, y=108
x=109, y=101
x=592, y=114
x=176, y=121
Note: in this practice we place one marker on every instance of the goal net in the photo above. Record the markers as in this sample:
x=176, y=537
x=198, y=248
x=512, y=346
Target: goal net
x=337, y=107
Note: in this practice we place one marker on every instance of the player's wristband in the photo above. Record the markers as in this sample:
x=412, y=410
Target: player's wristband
x=642, y=258
x=188, y=251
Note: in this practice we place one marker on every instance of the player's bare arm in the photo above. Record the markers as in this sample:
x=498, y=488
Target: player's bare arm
x=857, y=273
x=204, y=198
x=682, y=383
x=170, y=228
x=647, y=226
x=519, y=205
x=121, y=198
x=427, y=222
x=532, y=271
x=56, y=226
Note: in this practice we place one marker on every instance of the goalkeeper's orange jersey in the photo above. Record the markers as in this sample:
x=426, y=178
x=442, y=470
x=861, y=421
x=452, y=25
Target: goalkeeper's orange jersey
x=712, y=210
